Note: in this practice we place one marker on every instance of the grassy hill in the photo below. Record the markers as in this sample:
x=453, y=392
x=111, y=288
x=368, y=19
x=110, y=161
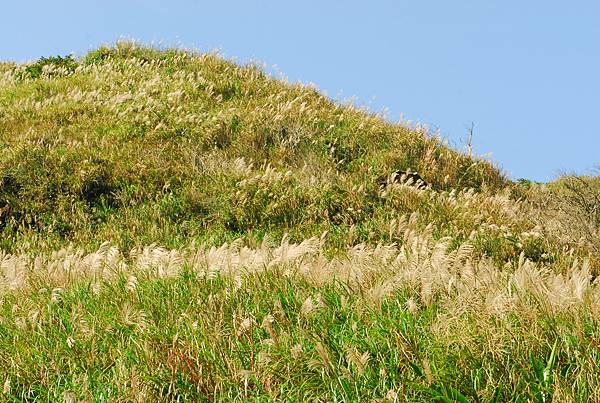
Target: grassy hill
x=177, y=226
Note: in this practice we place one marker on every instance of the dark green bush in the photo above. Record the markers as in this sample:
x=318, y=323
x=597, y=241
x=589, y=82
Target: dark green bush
x=35, y=70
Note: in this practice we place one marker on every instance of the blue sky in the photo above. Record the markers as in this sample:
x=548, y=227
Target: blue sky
x=527, y=73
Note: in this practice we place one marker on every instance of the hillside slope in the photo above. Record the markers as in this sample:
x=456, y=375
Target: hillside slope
x=176, y=227
x=136, y=145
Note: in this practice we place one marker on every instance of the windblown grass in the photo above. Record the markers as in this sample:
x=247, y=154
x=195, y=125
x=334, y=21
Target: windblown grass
x=415, y=321
x=174, y=226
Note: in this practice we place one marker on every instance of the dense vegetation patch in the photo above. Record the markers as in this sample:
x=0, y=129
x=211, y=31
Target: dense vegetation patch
x=128, y=139
x=291, y=271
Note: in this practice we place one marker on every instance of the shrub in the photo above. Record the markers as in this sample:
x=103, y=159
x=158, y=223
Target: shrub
x=59, y=65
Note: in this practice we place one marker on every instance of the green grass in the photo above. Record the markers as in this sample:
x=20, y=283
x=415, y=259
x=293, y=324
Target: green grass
x=184, y=339
x=196, y=337
x=174, y=226
x=137, y=145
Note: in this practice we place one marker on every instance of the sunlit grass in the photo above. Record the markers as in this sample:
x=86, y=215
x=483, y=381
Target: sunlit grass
x=174, y=226
x=285, y=322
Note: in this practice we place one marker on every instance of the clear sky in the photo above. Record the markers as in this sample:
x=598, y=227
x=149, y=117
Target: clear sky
x=527, y=73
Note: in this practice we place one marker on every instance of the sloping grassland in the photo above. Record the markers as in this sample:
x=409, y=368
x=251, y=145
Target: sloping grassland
x=174, y=226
